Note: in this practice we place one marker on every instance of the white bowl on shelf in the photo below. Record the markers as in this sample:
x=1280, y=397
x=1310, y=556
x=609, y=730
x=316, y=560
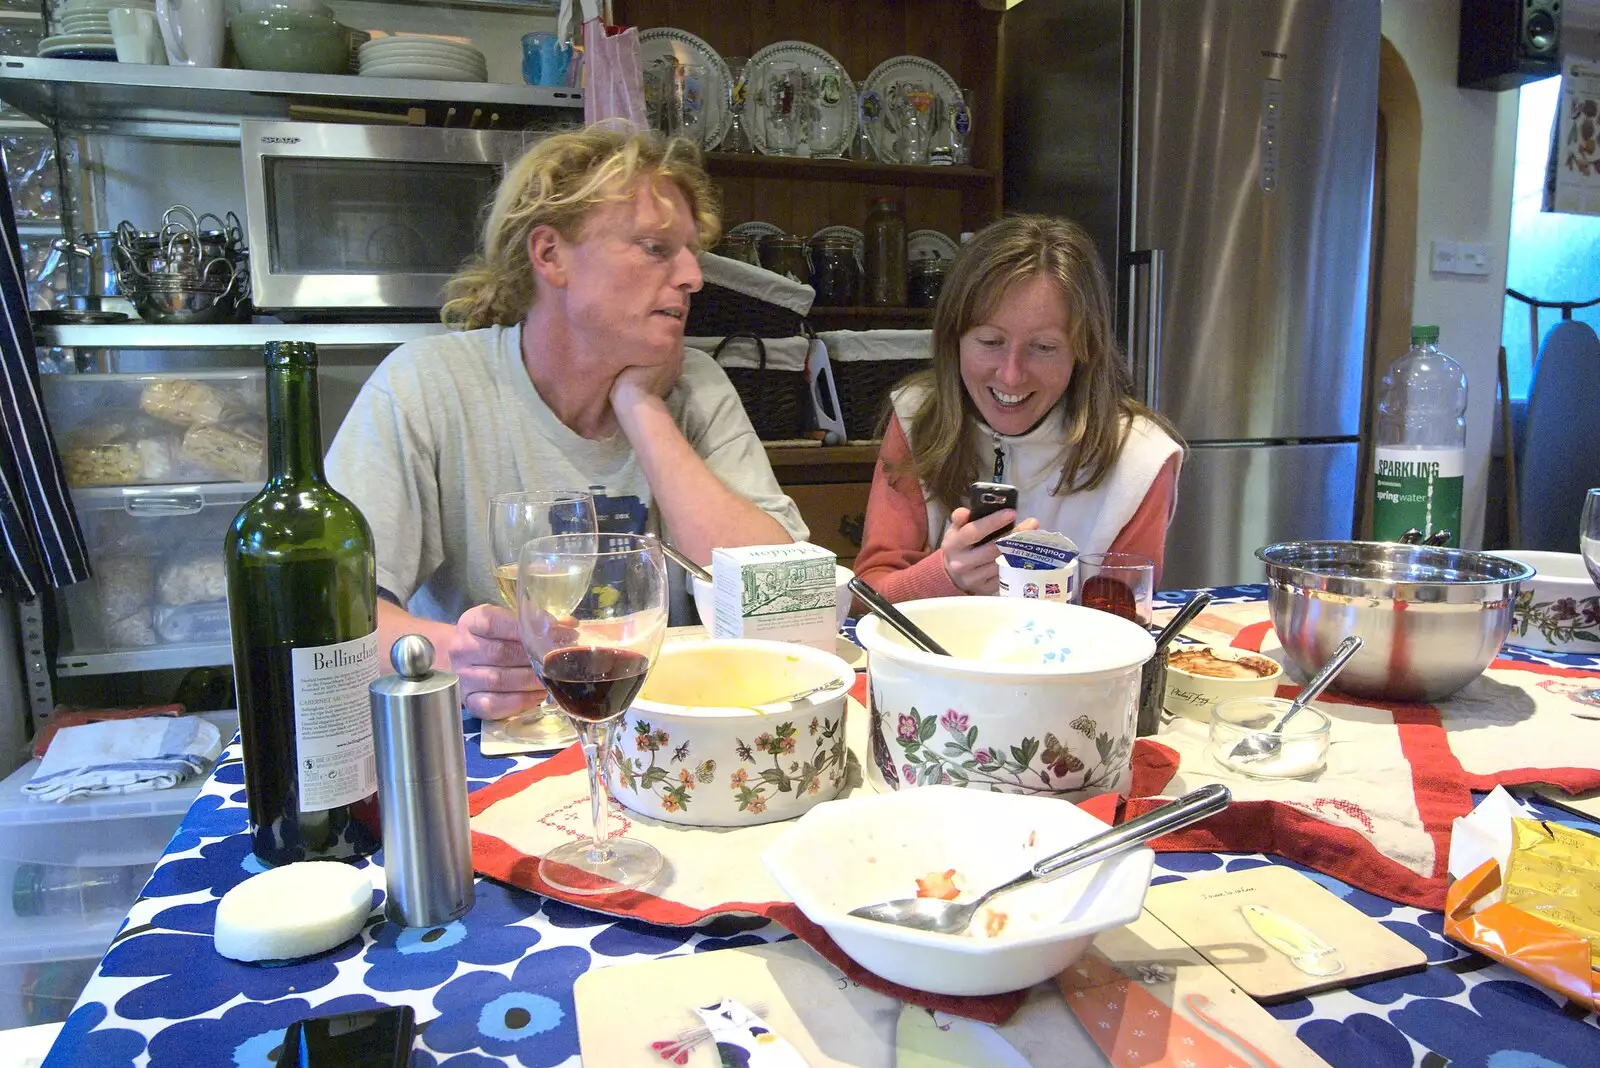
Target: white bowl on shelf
x=874, y=847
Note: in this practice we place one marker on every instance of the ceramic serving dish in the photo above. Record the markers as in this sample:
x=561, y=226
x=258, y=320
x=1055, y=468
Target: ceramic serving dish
x=705, y=601
x=1036, y=698
x=1198, y=676
x=874, y=847
x=705, y=744
x=1558, y=609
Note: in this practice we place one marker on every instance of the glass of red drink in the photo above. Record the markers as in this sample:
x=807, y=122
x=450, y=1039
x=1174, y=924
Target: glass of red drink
x=1120, y=583
x=592, y=610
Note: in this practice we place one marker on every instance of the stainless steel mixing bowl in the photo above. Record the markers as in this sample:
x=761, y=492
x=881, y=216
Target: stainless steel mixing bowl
x=1432, y=619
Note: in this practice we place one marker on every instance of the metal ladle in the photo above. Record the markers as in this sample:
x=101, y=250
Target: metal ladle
x=1264, y=744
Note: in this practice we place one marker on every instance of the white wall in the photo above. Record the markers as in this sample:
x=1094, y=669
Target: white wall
x=1468, y=150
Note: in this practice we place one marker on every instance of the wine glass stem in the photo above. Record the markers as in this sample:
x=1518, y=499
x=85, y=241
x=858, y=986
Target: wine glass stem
x=596, y=740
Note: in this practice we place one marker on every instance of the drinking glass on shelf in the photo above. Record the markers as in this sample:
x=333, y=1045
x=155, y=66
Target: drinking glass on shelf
x=659, y=81
x=592, y=610
x=737, y=140
x=782, y=104
x=1120, y=583
x=514, y=520
x=913, y=104
x=826, y=115
x=689, y=103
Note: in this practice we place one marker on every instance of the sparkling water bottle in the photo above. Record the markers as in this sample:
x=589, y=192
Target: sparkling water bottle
x=1421, y=443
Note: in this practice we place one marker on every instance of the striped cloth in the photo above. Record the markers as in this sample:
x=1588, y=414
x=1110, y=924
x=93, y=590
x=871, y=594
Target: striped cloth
x=43, y=545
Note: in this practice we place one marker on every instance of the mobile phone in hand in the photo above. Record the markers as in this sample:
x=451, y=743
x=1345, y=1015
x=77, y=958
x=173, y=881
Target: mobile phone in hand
x=373, y=1038
x=987, y=498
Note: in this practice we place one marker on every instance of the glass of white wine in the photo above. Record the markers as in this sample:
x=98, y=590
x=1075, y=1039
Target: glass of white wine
x=514, y=520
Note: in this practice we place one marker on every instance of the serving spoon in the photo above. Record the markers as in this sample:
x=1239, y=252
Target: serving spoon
x=687, y=564
x=895, y=618
x=948, y=917
x=1264, y=744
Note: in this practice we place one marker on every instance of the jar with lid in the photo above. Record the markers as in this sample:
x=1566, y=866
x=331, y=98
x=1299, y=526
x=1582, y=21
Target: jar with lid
x=885, y=233
x=740, y=247
x=835, y=274
x=924, y=281
x=785, y=254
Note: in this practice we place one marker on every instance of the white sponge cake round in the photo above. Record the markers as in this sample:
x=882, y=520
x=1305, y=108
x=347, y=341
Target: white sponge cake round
x=293, y=911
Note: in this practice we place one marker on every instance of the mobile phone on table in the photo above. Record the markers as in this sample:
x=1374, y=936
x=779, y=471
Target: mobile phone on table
x=987, y=498
x=372, y=1038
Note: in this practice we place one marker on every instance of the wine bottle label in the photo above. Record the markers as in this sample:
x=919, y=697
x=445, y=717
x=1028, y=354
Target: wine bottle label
x=333, y=722
x=1418, y=488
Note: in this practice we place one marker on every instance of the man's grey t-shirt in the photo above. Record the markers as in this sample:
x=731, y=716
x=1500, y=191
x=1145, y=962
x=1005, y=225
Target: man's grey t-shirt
x=446, y=422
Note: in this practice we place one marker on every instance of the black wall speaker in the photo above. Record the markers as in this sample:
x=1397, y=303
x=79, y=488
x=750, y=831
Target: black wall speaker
x=1507, y=43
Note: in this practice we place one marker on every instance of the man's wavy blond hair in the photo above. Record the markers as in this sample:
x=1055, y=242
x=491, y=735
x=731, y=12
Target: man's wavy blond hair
x=558, y=183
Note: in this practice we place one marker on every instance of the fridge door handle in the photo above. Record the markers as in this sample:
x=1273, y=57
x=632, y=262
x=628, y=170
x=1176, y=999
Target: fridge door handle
x=1145, y=341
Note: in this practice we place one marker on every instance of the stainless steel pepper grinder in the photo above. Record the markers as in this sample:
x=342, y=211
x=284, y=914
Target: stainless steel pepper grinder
x=422, y=788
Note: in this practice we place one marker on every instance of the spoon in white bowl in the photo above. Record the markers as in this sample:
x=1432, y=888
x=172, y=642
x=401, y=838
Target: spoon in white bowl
x=948, y=917
x=1264, y=744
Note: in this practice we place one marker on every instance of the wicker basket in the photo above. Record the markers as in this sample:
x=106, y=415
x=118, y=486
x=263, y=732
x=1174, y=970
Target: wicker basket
x=864, y=388
x=776, y=401
x=716, y=311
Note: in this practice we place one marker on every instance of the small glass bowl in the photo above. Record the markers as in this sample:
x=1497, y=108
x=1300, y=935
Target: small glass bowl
x=1304, y=749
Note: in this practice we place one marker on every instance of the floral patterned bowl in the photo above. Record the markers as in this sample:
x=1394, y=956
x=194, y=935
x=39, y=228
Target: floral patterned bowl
x=1036, y=697
x=696, y=749
x=1558, y=609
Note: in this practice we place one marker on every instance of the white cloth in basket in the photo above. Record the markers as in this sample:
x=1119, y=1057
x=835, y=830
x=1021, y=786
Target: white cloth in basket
x=783, y=353
x=757, y=282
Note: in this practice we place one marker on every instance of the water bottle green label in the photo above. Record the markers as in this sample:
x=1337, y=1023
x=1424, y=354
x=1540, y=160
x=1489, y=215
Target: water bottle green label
x=333, y=722
x=1418, y=489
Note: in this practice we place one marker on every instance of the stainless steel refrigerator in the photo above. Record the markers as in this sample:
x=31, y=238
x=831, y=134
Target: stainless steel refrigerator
x=1221, y=153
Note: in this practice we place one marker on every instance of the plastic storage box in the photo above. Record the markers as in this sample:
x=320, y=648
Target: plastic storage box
x=157, y=562
x=68, y=873
x=159, y=429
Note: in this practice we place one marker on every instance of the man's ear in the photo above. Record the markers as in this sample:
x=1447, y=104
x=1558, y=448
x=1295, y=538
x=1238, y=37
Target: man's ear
x=547, y=254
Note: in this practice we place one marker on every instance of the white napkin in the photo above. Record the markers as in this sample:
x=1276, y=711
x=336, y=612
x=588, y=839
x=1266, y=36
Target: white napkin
x=1485, y=834
x=125, y=756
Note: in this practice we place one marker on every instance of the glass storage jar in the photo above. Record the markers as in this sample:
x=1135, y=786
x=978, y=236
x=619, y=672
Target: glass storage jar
x=924, y=281
x=885, y=233
x=835, y=274
x=740, y=247
x=785, y=254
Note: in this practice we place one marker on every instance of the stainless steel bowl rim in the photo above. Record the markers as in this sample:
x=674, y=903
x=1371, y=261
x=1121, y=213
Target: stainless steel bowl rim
x=1310, y=565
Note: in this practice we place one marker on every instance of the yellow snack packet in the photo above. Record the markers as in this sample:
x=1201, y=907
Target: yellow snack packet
x=1554, y=873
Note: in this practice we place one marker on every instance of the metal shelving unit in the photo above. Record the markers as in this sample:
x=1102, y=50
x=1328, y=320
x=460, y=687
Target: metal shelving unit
x=139, y=335
x=207, y=103
x=154, y=658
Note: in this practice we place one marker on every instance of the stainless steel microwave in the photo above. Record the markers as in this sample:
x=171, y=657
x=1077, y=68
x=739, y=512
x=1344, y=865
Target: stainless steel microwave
x=364, y=219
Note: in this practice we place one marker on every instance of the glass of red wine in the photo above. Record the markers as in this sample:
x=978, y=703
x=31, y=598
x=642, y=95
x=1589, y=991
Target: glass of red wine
x=592, y=609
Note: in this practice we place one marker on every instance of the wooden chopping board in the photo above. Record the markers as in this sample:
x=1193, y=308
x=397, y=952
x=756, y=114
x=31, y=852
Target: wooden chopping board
x=1279, y=934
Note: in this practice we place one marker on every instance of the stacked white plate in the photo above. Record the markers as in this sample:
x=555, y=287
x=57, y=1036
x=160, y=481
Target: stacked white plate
x=83, y=29
x=417, y=56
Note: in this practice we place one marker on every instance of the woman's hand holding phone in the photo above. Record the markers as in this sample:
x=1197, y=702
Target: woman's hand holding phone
x=973, y=567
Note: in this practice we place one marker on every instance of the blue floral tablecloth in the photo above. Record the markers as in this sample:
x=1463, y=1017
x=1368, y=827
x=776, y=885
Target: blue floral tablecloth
x=496, y=987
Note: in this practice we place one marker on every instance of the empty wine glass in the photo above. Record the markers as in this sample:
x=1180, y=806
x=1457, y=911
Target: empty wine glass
x=592, y=611
x=1589, y=534
x=514, y=520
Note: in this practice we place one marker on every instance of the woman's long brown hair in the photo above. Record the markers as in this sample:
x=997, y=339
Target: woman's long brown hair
x=1096, y=411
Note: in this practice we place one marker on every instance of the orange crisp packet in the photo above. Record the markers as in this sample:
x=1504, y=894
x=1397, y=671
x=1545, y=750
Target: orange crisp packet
x=1551, y=956
x=1554, y=873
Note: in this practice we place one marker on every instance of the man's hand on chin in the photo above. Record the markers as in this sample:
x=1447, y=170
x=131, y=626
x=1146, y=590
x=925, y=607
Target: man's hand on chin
x=642, y=381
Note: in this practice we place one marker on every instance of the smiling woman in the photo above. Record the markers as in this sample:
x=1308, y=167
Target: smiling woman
x=1027, y=387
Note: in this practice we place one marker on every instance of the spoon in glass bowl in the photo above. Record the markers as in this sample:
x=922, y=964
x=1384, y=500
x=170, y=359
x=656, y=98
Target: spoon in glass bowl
x=949, y=917
x=1263, y=744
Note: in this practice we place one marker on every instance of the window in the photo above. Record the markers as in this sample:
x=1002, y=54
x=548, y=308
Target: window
x=1552, y=256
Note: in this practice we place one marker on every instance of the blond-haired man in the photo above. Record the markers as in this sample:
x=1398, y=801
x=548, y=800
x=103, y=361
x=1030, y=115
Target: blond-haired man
x=567, y=370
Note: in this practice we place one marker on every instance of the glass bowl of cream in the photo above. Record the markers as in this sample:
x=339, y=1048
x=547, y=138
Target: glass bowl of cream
x=1303, y=748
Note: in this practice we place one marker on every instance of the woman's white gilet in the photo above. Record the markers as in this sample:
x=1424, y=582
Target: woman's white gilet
x=1032, y=463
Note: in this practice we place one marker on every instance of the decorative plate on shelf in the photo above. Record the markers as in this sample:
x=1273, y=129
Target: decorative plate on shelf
x=899, y=71
x=824, y=116
x=855, y=236
x=657, y=46
x=757, y=230
x=930, y=245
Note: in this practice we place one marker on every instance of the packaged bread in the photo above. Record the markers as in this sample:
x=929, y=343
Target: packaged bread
x=124, y=583
x=192, y=581
x=236, y=450
x=106, y=464
x=182, y=402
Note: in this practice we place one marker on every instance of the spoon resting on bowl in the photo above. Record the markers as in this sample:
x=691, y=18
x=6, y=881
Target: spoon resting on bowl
x=949, y=917
x=1264, y=744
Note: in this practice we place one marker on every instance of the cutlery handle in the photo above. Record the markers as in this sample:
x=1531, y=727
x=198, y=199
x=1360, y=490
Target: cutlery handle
x=1190, y=808
x=895, y=618
x=687, y=564
x=1319, y=682
x=1185, y=616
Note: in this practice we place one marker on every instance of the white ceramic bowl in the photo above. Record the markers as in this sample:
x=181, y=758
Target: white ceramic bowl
x=874, y=847
x=1037, y=697
x=693, y=749
x=1192, y=693
x=705, y=601
x=1556, y=606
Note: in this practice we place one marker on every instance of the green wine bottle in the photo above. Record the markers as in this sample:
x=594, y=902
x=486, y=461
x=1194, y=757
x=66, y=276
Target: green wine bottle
x=302, y=602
